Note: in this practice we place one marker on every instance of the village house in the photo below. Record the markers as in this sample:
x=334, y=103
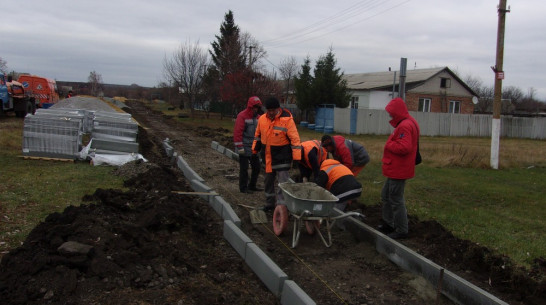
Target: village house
x=427, y=90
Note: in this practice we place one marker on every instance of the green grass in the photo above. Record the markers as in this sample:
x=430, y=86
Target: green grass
x=32, y=189
x=503, y=209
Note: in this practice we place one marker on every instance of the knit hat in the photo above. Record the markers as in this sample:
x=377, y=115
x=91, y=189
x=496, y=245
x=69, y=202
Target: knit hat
x=272, y=103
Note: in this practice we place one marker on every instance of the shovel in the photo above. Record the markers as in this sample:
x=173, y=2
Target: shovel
x=257, y=215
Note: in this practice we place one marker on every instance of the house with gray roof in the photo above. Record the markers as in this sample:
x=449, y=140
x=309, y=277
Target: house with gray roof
x=427, y=90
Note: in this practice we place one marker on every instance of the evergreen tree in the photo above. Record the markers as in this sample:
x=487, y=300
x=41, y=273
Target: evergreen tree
x=303, y=84
x=328, y=85
x=227, y=53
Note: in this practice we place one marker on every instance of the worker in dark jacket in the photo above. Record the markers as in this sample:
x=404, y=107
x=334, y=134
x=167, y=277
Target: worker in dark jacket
x=278, y=142
x=347, y=152
x=340, y=181
x=243, y=136
x=398, y=166
x=312, y=155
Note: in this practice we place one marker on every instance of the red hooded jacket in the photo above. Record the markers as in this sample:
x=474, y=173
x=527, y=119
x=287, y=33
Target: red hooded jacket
x=401, y=147
x=245, y=126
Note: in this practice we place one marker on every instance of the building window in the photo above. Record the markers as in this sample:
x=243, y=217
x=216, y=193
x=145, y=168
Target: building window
x=445, y=82
x=354, y=102
x=454, y=107
x=424, y=104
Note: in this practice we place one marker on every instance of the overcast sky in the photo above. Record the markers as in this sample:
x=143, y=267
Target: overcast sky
x=126, y=41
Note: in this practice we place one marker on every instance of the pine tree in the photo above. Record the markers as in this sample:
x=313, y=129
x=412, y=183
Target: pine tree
x=227, y=54
x=303, y=83
x=328, y=85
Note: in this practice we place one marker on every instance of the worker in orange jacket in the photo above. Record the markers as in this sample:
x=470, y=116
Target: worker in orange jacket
x=278, y=142
x=340, y=181
x=312, y=155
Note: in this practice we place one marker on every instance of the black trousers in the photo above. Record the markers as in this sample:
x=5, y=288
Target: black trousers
x=254, y=162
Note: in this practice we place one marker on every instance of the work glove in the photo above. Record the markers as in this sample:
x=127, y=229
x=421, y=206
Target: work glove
x=241, y=150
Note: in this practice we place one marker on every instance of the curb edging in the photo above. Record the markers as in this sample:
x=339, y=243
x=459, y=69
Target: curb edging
x=263, y=266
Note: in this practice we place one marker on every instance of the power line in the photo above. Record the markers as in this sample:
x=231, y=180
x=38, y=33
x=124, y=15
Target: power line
x=341, y=17
x=320, y=24
x=344, y=27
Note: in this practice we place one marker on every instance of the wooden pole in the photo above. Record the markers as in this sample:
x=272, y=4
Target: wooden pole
x=499, y=76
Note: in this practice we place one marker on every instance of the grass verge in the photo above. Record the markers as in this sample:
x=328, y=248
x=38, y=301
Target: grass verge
x=32, y=189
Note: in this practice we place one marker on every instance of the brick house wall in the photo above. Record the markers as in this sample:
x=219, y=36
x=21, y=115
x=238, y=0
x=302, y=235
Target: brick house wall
x=439, y=103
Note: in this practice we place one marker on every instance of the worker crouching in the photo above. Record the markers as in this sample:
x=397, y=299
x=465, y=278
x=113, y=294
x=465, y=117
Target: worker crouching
x=340, y=181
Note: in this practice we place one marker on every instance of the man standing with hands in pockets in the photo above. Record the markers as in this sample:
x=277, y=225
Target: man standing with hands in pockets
x=398, y=166
x=243, y=136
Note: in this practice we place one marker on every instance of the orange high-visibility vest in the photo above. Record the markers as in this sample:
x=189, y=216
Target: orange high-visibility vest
x=280, y=141
x=307, y=146
x=334, y=170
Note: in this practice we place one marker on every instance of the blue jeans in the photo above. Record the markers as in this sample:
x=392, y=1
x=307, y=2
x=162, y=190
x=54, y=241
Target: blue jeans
x=394, y=205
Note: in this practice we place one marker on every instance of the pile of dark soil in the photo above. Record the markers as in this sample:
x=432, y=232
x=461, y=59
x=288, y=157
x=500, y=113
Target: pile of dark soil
x=143, y=246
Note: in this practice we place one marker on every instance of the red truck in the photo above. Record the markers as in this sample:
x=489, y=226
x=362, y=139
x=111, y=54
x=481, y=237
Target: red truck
x=43, y=90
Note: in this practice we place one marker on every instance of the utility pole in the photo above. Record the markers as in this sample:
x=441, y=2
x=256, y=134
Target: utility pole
x=499, y=76
x=402, y=84
x=250, y=57
x=251, y=84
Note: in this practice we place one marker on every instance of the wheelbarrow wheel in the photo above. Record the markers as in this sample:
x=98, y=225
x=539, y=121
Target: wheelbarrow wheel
x=311, y=227
x=280, y=219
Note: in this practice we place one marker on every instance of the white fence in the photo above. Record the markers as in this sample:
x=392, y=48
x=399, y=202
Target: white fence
x=441, y=124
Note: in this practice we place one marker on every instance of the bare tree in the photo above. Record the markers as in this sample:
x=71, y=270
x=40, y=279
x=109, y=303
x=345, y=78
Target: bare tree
x=185, y=69
x=485, y=94
x=95, y=83
x=529, y=103
x=254, y=52
x=3, y=66
x=288, y=69
x=511, y=97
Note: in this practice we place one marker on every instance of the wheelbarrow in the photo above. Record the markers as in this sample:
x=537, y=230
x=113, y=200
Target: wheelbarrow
x=309, y=205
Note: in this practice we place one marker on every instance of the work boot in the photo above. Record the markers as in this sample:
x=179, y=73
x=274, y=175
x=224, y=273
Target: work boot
x=254, y=188
x=246, y=191
x=385, y=228
x=268, y=208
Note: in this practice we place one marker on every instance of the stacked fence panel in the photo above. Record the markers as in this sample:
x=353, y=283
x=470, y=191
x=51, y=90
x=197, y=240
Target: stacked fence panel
x=58, y=133
x=117, y=127
x=52, y=136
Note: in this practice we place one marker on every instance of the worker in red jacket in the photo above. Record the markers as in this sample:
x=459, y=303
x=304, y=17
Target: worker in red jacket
x=243, y=136
x=340, y=181
x=312, y=155
x=347, y=152
x=398, y=166
x=278, y=142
